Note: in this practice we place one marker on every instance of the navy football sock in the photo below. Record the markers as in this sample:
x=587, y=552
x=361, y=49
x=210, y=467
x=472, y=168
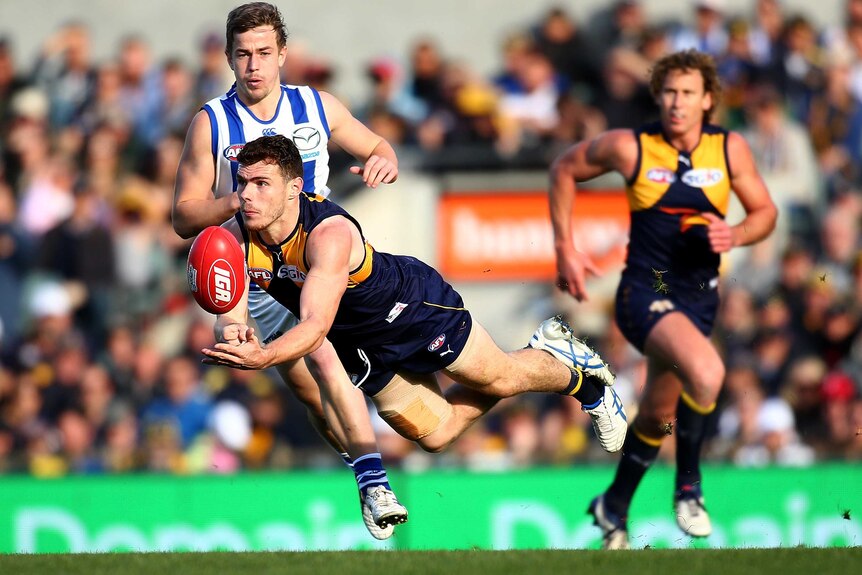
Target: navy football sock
x=639, y=453
x=584, y=389
x=370, y=473
x=690, y=430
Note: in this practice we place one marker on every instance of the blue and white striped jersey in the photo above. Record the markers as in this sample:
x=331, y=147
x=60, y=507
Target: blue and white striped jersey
x=299, y=116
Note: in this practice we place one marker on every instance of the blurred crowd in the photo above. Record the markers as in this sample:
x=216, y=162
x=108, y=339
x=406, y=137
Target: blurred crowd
x=99, y=341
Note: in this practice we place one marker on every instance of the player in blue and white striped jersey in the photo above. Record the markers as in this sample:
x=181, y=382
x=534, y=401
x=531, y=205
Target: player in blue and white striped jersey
x=205, y=195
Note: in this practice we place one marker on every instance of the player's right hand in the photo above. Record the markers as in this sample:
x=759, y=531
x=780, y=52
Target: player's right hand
x=376, y=170
x=572, y=269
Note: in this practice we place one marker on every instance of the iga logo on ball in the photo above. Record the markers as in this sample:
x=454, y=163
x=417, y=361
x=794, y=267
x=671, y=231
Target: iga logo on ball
x=216, y=270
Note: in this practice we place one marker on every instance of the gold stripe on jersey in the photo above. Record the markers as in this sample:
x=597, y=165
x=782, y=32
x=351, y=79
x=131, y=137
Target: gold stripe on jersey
x=710, y=153
x=658, y=166
x=293, y=260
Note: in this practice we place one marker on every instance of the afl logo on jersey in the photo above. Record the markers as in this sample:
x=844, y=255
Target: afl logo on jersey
x=306, y=138
x=231, y=152
x=260, y=274
x=661, y=176
x=703, y=177
x=435, y=345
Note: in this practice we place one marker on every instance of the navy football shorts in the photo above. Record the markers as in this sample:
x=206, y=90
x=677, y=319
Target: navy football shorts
x=640, y=305
x=437, y=327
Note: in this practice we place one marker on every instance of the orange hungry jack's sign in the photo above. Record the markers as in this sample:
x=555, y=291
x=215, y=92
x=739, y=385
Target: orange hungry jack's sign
x=507, y=236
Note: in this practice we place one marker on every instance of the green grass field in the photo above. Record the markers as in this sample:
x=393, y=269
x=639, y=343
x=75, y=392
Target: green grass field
x=801, y=561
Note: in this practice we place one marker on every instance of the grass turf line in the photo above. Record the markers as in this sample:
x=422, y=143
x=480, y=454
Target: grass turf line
x=787, y=561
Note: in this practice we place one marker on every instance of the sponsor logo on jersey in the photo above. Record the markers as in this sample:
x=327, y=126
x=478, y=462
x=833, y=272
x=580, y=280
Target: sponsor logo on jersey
x=269, y=132
x=661, y=176
x=310, y=155
x=395, y=311
x=306, y=138
x=703, y=177
x=231, y=152
x=661, y=306
x=260, y=274
x=435, y=345
x=292, y=273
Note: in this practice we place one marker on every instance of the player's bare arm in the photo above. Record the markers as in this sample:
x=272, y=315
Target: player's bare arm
x=380, y=163
x=328, y=252
x=194, y=206
x=615, y=150
x=760, y=211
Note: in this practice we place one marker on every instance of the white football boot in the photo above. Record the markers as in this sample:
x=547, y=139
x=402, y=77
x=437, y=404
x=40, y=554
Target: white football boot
x=609, y=417
x=384, y=507
x=691, y=515
x=615, y=535
x=376, y=531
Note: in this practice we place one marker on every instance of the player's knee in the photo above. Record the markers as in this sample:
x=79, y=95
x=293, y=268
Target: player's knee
x=707, y=382
x=655, y=424
x=434, y=444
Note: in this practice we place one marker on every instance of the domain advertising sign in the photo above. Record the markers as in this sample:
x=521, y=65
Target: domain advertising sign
x=498, y=236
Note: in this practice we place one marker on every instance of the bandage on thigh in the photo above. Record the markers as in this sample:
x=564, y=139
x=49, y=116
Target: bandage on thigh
x=413, y=405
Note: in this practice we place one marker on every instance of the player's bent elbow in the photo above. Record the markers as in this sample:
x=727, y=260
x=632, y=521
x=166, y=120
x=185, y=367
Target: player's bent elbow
x=181, y=226
x=184, y=232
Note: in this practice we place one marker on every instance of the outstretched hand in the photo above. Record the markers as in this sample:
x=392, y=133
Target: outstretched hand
x=376, y=170
x=572, y=270
x=240, y=349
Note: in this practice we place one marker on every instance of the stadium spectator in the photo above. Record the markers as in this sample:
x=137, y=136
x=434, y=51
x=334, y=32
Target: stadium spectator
x=765, y=36
x=171, y=107
x=568, y=49
x=785, y=159
x=11, y=82
x=426, y=73
x=185, y=406
x=212, y=77
x=65, y=71
x=708, y=33
x=802, y=73
x=623, y=97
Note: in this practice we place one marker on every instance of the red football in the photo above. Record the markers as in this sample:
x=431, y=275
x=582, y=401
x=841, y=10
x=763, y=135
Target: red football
x=216, y=271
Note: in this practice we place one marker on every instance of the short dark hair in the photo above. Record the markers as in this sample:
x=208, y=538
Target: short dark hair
x=276, y=150
x=248, y=16
x=688, y=61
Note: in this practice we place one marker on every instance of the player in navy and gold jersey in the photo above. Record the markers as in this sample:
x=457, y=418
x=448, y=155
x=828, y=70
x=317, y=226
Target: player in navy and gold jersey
x=393, y=320
x=679, y=174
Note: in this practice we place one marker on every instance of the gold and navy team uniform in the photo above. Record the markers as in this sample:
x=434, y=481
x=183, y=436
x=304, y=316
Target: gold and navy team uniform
x=670, y=265
x=397, y=314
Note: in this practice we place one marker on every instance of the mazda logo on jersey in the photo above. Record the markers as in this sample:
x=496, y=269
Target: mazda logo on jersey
x=231, y=152
x=306, y=138
x=702, y=177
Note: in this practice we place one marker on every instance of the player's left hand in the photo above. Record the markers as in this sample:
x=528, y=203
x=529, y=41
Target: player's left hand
x=376, y=170
x=719, y=232
x=247, y=354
